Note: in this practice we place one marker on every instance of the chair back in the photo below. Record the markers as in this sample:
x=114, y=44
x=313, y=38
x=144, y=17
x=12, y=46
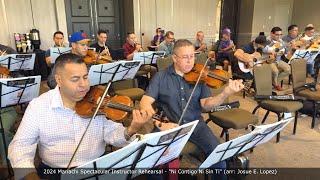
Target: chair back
x=298, y=71
x=263, y=79
x=163, y=63
x=125, y=84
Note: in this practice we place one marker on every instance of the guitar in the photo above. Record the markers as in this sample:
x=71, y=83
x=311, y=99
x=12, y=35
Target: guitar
x=246, y=67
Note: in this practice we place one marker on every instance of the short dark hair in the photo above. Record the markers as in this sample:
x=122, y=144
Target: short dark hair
x=64, y=59
x=129, y=33
x=57, y=32
x=168, y=33
x=181, y=43
x=101, y=31
x=309, y=28
x=292, y=26
x=275, y=29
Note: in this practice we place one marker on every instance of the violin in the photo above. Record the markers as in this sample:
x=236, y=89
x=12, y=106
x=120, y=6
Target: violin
x=115, y=108
x=215, y=78
x=4, y=72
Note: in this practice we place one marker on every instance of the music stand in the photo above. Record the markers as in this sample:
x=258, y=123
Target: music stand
x=259, y=135
x=103, y=73
x=146, y=153
x=15, y=91
x=308, y=55
x=18, y=62
x=149, y=57
x=55, y=52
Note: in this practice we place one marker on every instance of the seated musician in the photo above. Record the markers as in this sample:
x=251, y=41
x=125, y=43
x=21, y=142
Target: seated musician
x=247, y=54
x=101, y=46
x=167, y=44
x=132, y=46
x=200, y=45
x=225, y=46
x=79, y=46
x=170, y=91
x=51, y=123
x=58, y=39
x=276, y=48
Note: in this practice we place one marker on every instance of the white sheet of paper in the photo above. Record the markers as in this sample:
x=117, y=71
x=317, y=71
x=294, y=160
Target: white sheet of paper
x=18, y=61
x=102, y=73
x=146, y=57
x=12, y=90
x=57, y=51
x=259, y=135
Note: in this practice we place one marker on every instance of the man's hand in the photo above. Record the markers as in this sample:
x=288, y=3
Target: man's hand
x=138, y=120
x=105, y=52
x=233, y=87
x=164, y=126
x=138, y=47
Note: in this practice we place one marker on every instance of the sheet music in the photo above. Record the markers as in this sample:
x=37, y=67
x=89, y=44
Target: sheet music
x=15, y=62
x=149, y=57
x=57, y=51
x=308, y=55
x=102, y=73
x=12, y=88
x=259, y=135
x=164, y=137
x=123, y=158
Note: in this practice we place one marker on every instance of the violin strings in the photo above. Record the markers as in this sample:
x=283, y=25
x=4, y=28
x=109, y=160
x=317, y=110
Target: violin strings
x=193, y=90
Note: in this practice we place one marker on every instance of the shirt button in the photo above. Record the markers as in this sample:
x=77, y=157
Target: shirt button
x=182, y=99
x=181, y=88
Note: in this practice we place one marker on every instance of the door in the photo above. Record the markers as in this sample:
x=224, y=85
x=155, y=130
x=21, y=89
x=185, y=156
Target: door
x=91, y=15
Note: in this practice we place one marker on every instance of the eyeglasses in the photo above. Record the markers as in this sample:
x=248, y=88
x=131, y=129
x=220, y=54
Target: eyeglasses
x=185, y=57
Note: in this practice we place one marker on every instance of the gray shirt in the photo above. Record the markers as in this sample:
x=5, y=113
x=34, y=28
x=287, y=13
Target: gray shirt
x=166, y=47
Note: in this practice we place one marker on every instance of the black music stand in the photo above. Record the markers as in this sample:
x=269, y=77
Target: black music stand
x=55, y=52
x=259, y=135
x=120, y=70
x=138, y=155
x=23, y=85
x=149, y=57
x=18, y=62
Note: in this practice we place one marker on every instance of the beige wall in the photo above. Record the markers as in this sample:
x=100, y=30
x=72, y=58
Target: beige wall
x=268, y=14
x=17, y=17
x=183, y=17
x=306, y=12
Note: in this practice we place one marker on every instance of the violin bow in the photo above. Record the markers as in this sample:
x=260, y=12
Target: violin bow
x=93, y=116
x=193, y=90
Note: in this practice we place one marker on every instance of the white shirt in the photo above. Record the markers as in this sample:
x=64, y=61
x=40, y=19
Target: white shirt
x=57, y=131
x=270, y=48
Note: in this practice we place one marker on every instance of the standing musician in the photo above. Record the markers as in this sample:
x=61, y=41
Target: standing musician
x=132, y=46
x=170, y=91
x=276, y=48
x=51, y=123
